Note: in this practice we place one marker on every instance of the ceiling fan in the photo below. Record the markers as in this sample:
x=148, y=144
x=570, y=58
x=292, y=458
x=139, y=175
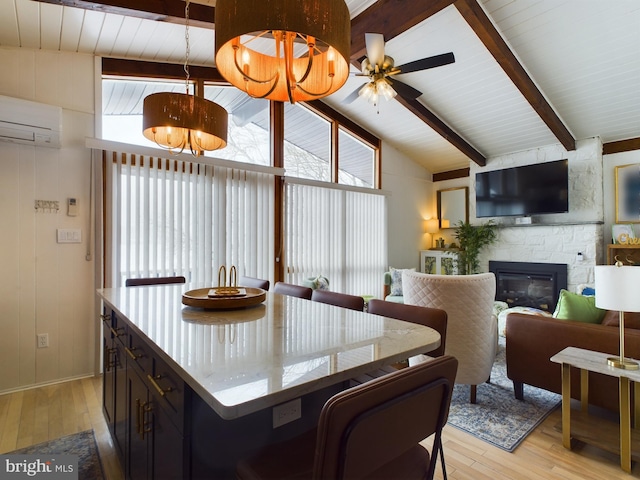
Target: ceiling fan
x=380, y=69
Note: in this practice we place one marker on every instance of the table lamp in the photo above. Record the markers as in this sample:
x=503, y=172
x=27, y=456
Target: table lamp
x=431, y=226
x=617, y=289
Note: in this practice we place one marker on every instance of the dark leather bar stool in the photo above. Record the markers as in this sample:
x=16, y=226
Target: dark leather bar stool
x=339, y=299
x=369, y=431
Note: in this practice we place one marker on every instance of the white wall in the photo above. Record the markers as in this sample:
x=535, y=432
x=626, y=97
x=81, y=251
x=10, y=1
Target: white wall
x=409, y=205
x=46, y=287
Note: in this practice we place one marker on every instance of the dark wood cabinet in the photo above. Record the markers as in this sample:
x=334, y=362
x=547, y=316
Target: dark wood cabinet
x=114, y=379
x=144, y=405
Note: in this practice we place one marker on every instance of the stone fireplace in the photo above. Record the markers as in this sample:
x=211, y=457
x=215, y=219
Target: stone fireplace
x=529, y=284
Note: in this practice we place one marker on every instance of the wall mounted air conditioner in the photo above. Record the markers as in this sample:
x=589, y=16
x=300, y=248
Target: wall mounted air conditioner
x=30, y=123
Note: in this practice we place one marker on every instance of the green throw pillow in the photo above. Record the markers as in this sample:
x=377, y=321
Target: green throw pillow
x=580, y=308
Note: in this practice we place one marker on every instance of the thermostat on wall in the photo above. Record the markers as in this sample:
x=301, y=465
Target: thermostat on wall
x=72, y=207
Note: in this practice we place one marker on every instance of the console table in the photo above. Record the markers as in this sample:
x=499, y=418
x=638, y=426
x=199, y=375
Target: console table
x=589, y=361
x=440, y=262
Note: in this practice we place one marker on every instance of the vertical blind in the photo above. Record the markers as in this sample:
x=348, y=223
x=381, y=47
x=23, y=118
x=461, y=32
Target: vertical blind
x=170, y=217
x=339, y=233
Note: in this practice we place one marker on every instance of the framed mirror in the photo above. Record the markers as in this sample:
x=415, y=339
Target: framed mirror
x=453, y=206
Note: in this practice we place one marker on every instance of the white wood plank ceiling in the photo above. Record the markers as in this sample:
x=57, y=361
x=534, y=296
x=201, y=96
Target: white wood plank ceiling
x=583, y=55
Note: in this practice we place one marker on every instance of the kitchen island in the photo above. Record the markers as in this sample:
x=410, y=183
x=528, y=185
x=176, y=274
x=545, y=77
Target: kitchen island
x=188, y=391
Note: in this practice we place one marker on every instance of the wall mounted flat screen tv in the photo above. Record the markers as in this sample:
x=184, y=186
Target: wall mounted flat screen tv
x=522, y=191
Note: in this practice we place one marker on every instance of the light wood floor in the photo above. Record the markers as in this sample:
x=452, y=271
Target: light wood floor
x=33, y=416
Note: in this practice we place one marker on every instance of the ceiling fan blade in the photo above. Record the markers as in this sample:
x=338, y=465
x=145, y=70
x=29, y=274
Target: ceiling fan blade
x=404, y=90
x=351, y=97
x=375, y=47
x=426, y=63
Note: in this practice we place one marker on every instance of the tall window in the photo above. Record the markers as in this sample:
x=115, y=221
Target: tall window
x=170, y=217
x=357, y=161
x=248, y=134
x=337, y=233
x=307, y=144
x=309, y=137
x=173, y=217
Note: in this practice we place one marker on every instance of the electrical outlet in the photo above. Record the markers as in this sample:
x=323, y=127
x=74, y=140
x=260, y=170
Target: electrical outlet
x=287, y=412
x=43, y=340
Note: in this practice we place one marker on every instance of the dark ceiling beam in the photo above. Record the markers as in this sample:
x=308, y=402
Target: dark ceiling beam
x=424, y=114
x=171, y=11
x=491, y=38
x=451, y=174
x=119, y=67
x=391, y=18
x=621, y=146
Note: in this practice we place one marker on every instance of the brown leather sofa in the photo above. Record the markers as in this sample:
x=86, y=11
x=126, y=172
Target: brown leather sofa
x=531, y=340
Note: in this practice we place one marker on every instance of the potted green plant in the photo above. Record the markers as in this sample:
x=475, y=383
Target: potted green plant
x=471, y=240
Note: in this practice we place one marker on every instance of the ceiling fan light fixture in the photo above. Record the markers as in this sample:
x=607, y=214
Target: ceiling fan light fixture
x=369, y=93
x=385, y=89
x=283, y=50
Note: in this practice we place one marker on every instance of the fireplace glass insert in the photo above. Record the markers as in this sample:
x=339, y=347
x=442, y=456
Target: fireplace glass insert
x=528, y=284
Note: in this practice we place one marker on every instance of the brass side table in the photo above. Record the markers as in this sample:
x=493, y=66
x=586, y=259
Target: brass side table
x=590, y=361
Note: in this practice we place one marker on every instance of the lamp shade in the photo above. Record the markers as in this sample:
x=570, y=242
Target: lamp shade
x=431, y=225
x=178, y=121
x=284, y=50
x=617, y=287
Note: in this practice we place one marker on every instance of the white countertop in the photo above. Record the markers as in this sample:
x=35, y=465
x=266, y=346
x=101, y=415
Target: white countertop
x=242, y=361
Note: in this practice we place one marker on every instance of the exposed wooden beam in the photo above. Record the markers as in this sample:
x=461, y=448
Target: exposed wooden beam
x=137, y=68
x=491, y=38
x=451, y=174
x=171, y=11
x=391, y=18
x=621, y=146
x=424, y=114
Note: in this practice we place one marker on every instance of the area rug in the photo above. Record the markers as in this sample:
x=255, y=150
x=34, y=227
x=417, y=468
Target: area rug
x=497, y=417
x=82, y=444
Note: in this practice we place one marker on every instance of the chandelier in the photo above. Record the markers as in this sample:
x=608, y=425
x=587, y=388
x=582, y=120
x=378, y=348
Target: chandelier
x=283, y=50
x=178, y=121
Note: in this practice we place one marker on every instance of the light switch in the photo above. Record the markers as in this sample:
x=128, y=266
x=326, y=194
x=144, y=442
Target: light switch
x=69, y=235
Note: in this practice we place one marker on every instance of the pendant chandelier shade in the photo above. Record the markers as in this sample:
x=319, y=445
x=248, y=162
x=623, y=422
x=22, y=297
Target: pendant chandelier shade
x=283, y=50
x=179, y=121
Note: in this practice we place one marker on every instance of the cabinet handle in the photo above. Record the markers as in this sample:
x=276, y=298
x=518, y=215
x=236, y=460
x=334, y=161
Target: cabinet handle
x=116, y=332
x=132, y=354
x=142, y=426
x=105, y=317
x=161, y=391
x=109, y=362
x=146, y=426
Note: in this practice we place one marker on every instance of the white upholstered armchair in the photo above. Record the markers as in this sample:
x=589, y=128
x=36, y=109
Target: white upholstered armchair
x=471, y=328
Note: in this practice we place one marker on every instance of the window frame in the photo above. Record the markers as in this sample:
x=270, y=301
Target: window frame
x=200, y=76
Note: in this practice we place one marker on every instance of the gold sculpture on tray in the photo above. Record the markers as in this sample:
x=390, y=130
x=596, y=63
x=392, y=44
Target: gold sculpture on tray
x=224, y=297
x=224, y=290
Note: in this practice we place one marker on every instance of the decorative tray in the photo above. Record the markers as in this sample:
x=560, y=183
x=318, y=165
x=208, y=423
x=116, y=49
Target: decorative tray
x=216, y=299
